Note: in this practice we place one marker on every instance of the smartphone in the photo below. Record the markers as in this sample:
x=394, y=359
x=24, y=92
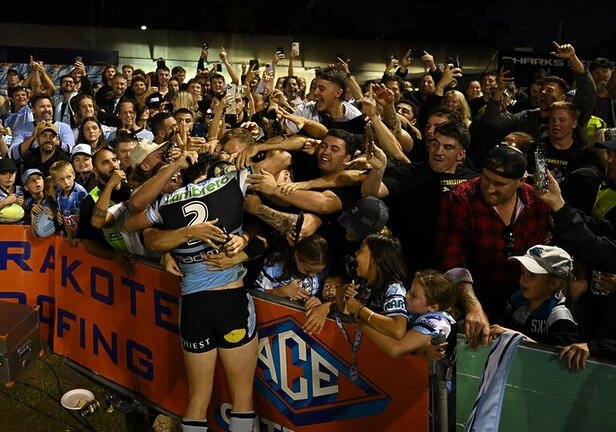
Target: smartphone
x=78, y=59
x=231, y=106
x=508, y=65
x=541, y=178
x=268, y=67
x=453, y=60
x=279, y=50
x=205, y=46
x=341, y=56
x=298, y=227
x=369, y=131
x=417, y=52
x=392, y=57
x=253, y=62
x=295, y=48
x=198, y=130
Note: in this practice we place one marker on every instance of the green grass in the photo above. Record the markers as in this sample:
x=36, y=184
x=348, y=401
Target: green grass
x=32, y=404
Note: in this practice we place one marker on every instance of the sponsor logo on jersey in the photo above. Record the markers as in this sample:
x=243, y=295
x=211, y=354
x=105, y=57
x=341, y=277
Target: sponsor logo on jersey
x=195, y=191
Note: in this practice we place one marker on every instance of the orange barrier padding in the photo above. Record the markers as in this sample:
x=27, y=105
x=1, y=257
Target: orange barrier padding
x=303, y=381
x=125, y=329
x=27, y=272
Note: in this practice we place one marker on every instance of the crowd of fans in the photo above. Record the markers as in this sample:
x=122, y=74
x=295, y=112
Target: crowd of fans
x=406, y=204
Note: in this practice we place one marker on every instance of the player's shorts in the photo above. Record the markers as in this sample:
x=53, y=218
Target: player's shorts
x=216, y=319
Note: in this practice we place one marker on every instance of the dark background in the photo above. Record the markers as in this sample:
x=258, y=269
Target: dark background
x=589, y=26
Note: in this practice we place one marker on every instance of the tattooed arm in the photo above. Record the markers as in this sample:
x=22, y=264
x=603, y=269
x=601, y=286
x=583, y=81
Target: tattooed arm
x=281, y=221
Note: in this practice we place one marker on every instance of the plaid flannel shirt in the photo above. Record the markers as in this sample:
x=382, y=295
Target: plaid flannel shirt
x=470, y=235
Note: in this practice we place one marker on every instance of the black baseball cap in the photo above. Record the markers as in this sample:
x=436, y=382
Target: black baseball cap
x=7, y=165
x=609, y=144
x=599, y=62
x=154, y=100
x=367, y=216
x=506, y=161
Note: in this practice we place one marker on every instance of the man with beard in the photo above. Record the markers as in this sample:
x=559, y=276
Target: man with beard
x=24, y=137
x=483, y=222
x=63, y=108
x=47, y=152
x=329, y=107
x=109, y=107
x=106, y=243
x=601, y=71
x=424, y=183
x=164, y=127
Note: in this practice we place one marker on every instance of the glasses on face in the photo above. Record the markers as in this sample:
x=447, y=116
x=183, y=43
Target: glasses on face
x=509, y=238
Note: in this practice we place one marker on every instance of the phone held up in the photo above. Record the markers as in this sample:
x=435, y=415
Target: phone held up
x=298, y=227
x=295, y=48
x=453, y=60
x=541, y=178
x=231, y=109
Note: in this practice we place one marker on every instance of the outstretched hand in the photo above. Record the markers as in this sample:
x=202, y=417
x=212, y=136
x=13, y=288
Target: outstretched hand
x=564, y=51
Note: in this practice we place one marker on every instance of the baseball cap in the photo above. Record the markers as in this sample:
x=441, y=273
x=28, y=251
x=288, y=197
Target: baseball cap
x=81, y=149
x=599, y=62
x=142, y=150
x=506, y=161
x=542, y=259
x=609, y=144
x=367, y=216
x=13, y=71
x=26, y=175
x=154, y=100
x=45, y=126
x=7, y=164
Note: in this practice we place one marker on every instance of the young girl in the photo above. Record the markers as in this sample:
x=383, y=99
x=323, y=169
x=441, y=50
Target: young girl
x=538, y=309
x=297, y=273
x=431, y=303
x=380, y=262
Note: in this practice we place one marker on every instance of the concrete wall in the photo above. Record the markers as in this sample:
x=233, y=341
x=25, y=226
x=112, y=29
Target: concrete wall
x=140, y=48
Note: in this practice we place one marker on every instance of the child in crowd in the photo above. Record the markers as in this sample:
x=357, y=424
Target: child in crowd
x=34, y=185
x=318, y=310
x=380, y=262
x=68, y=196
x=47, y=205
x=538, y=309
x=431, y=301
x=81, y=158
x=11, y=196
x=297, y=273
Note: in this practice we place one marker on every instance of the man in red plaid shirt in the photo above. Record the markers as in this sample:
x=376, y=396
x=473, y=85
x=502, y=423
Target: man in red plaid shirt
x=482, y=222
